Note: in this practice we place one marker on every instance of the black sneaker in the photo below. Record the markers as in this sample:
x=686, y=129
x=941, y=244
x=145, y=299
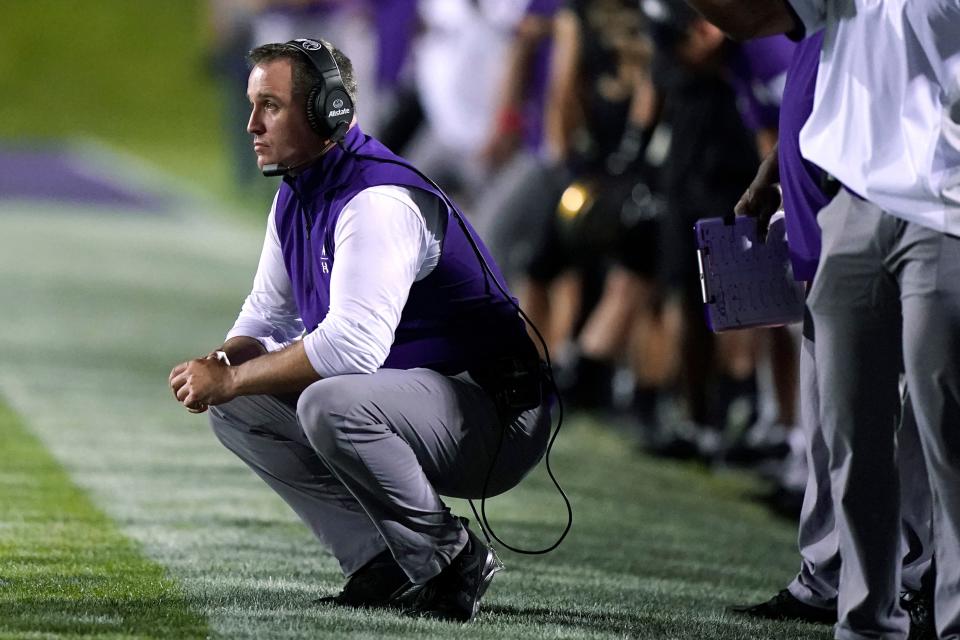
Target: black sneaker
x=379, y=583
x=784, y=606
x=920, y=609
x=455, y=593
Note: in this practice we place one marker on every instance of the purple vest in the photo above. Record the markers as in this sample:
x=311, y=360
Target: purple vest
x=455, y=319
x=803, y=196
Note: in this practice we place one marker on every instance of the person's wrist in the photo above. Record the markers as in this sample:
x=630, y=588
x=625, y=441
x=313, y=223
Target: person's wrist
x=233, y=381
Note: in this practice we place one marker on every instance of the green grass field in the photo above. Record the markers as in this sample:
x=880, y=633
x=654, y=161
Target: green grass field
x=130, y=73
x=133, y=75
x=145, y=527
x=67, y=569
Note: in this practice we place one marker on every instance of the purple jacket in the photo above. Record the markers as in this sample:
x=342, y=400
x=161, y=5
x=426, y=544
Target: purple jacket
x=455, y=319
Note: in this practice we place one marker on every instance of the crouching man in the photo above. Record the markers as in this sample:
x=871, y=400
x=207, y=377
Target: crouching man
x=375, y=365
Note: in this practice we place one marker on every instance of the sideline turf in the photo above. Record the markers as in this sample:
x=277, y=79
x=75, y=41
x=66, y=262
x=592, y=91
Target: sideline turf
x=64, y=567
x=98, y=308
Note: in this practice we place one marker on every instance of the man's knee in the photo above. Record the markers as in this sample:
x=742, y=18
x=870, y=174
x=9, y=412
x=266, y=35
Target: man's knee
x=326, y=407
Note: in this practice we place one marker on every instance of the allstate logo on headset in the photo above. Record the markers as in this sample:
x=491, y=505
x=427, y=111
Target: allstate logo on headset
x=338, y=104
x=309, y=45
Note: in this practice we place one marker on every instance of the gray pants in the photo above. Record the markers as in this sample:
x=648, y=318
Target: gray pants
x=363, y=459
x=887, y=289
x=816, y=583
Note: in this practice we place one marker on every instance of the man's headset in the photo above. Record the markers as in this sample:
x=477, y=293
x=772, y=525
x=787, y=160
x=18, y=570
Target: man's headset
x=329, y=106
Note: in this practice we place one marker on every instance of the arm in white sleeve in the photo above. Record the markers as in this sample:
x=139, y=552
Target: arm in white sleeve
x=382, y=246
x=270, y=313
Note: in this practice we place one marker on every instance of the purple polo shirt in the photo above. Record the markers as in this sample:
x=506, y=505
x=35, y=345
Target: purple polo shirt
x=800, y=180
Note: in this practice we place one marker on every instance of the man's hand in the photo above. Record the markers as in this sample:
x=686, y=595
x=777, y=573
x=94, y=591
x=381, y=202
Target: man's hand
x=205, y=382
x=762, y=198
x=202, y=382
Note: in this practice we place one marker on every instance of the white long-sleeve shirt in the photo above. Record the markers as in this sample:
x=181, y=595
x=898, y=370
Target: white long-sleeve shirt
x=386, y=238
x=886, y=111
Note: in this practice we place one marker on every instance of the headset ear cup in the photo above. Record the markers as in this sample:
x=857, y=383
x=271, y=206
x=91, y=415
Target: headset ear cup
x=315, y=110
x=338, y=111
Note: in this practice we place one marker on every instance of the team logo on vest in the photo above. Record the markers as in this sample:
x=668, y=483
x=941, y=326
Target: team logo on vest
x=324, y=263
x=309, y=45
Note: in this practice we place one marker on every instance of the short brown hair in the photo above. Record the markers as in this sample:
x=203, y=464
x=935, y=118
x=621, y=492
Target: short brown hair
x=305, y=75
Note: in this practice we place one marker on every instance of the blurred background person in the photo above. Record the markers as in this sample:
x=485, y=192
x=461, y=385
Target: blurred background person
x=459, y=63
x=598, y=63
x=720, y=102
x=514, y=208
x=229, y=34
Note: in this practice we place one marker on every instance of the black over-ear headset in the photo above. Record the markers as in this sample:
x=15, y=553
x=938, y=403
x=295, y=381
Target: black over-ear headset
x=329, y=107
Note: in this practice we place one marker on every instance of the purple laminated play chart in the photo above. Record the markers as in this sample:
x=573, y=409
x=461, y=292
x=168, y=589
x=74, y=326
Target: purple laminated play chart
x=746, y=283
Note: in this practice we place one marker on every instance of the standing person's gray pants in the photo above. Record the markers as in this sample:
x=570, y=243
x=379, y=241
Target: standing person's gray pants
x=363, y=459
x=886, y=287
x=816, y=583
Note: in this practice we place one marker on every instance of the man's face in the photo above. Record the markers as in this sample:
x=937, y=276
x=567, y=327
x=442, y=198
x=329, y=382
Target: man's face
x=278, y=121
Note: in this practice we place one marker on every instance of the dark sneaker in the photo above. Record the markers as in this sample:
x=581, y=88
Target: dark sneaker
x=455, y=593
x=784, y=606
x=920, y=609
x=379, y=583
